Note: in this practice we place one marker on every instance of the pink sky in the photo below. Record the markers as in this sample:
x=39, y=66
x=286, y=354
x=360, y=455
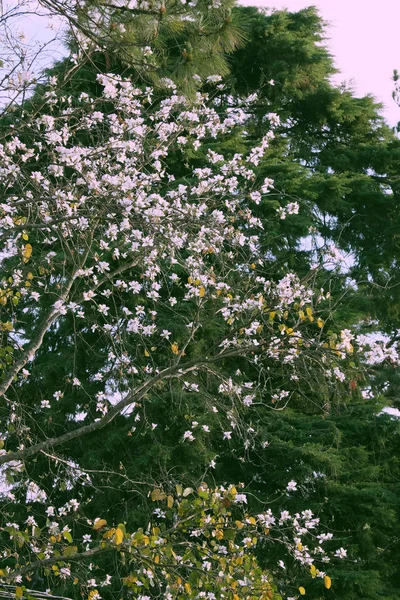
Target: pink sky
x=363, y=38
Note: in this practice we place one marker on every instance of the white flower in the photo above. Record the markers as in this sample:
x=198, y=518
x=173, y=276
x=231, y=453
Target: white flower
x=339, y=374
x=188, y=435
x=241, y=498
x=293, y=208
x=214, y=78
x=88, y=295
x=341, y=553
x=282, y=213
x=103, y=309
x=291, y=486
x=227, y=435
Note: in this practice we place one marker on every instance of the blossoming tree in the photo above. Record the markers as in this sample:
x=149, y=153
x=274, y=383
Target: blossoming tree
x=162, y=277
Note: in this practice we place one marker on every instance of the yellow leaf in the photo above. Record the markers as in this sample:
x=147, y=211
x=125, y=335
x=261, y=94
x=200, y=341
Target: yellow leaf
x=202, y=292
x=309, y=311
x=239, y=524
x=19, y=592
x=146, y=353
x=252, y=266
x=170, y=501
x=27, y=251
x=99, y=524
x=252, y=520
x=302, y=591
x=327, y=582
x=119, y=536
x=76, y=580
x=109, y=534
x=29, y=276
x=175, y=348
x=157, y=559
x=272, y=315
x=320, y=323
x=25, y=237
x=313, y=571
x=157, y=495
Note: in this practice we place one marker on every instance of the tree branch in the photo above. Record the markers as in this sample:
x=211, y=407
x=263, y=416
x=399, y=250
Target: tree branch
x=170, y=372
x=38, y=564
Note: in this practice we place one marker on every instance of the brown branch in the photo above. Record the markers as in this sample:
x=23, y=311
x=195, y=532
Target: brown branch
x=38, y=564
x=170, y=372
x=36, y=342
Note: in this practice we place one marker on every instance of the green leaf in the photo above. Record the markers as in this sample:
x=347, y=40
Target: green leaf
x=67, y=536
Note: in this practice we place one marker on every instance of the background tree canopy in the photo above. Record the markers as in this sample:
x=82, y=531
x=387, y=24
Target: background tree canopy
x=330, y=218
